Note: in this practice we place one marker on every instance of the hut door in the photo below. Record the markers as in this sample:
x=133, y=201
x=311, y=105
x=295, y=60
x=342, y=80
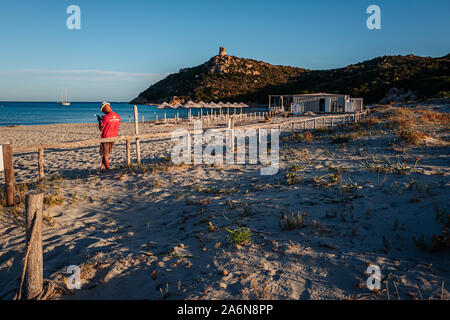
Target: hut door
x=322, y=105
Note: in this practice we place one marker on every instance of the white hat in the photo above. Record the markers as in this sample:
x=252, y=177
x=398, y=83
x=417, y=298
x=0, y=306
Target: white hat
x=104, y=104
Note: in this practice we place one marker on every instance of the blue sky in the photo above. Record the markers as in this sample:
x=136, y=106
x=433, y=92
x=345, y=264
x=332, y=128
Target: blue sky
x=124, y=46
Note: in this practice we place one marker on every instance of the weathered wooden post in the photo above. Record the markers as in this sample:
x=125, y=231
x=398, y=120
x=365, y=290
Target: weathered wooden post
x=34, y=265
x=314, y=123
x=231, y=133
x=1, y=158
x=8, y=166
x=142, y=118
x=136, y=130
x=128, y=149
x=41, y=163
x=331, y=121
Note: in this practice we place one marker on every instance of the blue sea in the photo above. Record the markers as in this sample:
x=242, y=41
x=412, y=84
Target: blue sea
x=35, y=113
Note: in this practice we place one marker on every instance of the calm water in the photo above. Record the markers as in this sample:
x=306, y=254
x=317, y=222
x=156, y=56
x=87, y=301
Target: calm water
x=34, y=113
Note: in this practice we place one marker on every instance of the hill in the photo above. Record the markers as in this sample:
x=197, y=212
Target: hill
x=229, y=78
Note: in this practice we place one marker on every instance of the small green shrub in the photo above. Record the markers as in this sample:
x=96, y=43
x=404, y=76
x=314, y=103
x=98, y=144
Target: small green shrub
x=241, y=236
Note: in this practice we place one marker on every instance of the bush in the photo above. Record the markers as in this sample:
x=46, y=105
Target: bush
x=292, y=178
x=294, y=222
x=411, y=136
x=341, y=138
x=308, y=137
x=401, y=118
x=241, y=236
x=429, y=116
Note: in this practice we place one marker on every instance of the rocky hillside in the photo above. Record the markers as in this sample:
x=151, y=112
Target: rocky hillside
x=229, y=78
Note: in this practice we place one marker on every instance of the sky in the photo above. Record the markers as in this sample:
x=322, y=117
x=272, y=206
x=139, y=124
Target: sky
x=125, y=46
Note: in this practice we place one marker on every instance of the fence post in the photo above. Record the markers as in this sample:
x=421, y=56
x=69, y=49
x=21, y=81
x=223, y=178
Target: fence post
x=34, y=266
x=128, y=149
x=136, y=129
x=8, y=167
x=231, y=135
x=41, y=163
x=232, y=130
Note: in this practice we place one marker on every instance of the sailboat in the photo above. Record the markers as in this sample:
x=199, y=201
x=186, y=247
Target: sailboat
x=64, y=101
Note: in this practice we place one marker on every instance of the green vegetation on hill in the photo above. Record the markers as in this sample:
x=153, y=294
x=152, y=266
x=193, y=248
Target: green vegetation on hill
x=229, y=78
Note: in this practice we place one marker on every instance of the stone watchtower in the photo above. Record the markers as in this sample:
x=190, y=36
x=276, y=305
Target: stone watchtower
x=222, y=51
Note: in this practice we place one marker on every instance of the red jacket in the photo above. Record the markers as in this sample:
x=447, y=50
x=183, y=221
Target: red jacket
x=110, y=125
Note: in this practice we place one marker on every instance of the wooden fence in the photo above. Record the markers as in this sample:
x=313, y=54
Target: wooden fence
x=290, y=125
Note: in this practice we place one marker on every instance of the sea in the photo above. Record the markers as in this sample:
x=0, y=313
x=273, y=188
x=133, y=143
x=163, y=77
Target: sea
x=37, y=113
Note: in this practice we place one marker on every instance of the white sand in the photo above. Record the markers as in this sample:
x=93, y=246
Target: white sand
x=123, y=225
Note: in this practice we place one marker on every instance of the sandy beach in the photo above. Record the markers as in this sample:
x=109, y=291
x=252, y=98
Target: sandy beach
x=344, y=198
